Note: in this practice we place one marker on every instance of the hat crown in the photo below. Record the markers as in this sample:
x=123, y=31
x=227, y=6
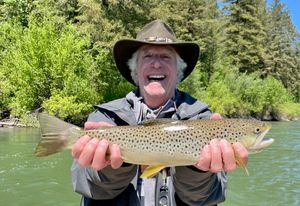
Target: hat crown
x=156, y=31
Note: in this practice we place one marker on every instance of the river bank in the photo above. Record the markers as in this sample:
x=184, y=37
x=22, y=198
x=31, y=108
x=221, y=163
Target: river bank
x=32, y=120
x=279, y=116
x=14, y=122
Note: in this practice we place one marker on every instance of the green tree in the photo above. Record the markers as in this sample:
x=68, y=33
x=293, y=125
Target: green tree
x=67, y=8
x=58, y=54
x=106, y=22
x=244, y=31
x=282, y=45
x=50, y=60
x=16, y=9
x=236, y=94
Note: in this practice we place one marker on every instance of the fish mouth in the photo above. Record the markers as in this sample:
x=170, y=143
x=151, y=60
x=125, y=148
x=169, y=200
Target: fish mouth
x=261, y=142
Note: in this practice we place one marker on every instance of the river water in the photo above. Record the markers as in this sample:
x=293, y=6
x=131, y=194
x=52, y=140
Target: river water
x=27, y=180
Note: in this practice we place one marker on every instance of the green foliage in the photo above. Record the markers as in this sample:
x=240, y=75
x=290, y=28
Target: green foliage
x=109, y=21
x=67, y=107
x=222, y=99
x=288, y=111
x=30, y=120
x=282, y=57
x=58, y=54
x=49, y=56
x=18, y=10
x=106, y=77
x=194, y=83
x=244, y=30
x=232, y=93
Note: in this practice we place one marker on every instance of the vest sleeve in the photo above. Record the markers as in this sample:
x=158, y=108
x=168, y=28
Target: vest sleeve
x=106, y=183
x=100, y=185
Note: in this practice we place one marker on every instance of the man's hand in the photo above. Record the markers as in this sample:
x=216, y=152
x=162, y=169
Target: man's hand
x=90, y=152
x=219, y=156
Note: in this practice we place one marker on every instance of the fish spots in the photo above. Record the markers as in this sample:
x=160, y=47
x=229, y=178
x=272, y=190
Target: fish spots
x=179, y=139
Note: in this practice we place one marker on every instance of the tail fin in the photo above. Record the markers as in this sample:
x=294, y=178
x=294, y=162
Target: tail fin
x=56, y=135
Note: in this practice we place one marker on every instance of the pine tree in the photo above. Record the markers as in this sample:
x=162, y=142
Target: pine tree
x=283, y=55
x=244, y=34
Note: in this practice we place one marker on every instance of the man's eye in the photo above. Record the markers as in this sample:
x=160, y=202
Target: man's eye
x=165, y=57
x=148, y=55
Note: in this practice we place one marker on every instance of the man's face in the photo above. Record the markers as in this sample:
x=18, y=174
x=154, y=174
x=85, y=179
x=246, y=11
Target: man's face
x=157, y=74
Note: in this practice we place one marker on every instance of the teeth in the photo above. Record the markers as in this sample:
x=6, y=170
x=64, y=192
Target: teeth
x=156, y=76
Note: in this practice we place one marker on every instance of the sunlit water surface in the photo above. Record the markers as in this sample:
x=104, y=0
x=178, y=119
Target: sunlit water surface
x=27, y=180
x=274, y=173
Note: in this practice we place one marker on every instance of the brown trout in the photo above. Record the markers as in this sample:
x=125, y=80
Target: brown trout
x=158, y=143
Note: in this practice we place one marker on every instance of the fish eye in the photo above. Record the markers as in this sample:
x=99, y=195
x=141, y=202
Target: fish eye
x=257, y=130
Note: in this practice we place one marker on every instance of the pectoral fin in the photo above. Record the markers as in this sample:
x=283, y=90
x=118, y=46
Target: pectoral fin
x=240, y=162
x=150, y=171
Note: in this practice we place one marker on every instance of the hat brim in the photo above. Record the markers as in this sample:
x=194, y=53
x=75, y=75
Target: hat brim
x=124, y=49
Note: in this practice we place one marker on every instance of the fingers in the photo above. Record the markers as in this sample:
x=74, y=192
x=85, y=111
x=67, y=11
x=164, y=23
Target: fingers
x=205, y=159
x=90, y=152
x=116, y=160
x=99, y=160
x=241, y=151
x=87, y=155
x=79, y=145
x=220, y=156
x=216, y=156
x=229, y=163
x=93, y=153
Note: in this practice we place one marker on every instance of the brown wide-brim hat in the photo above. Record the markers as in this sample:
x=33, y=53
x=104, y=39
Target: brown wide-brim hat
x=155, y=33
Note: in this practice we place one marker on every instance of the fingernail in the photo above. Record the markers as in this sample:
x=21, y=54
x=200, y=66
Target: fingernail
x=114, y=146
x=94, y=141
x=205, y=148
x=213, y=142
x=103, y=142
x=84, y=139
x=223, y=142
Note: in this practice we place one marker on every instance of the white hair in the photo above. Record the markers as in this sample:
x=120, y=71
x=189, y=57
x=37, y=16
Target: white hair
x=132, y=64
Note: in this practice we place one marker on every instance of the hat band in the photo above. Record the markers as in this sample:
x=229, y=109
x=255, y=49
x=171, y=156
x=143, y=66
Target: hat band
x=158, y=39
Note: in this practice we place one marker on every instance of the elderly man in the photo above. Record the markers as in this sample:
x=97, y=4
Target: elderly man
x=155, y=62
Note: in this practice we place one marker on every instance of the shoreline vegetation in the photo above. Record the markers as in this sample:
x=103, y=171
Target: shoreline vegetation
x=31, y=120
x=57, y=54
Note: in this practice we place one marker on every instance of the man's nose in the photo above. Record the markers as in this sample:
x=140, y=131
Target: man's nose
x=156, y=62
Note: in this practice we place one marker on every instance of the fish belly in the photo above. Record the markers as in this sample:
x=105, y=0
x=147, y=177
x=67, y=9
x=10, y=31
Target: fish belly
x=157, y=158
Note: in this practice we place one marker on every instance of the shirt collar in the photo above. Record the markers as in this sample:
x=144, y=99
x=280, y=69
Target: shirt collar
x=142, y=112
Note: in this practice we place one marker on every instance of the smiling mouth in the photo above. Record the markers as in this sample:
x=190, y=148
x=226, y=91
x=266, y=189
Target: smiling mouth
x=156, y=77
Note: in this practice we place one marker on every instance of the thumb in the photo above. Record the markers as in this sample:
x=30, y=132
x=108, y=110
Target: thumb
x=216, y=116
